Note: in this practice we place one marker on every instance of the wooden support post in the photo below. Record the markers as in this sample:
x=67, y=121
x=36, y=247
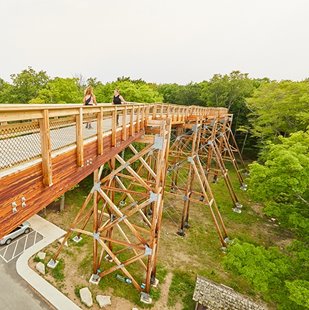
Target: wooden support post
x=100, y=131
x=79, y=139
x=143, y=117
x=132, y=121
x=154, y=112
x=46, y=149
x=95, y=221
x=114, y=127
x=168, y=111
x=138, y=114
x=124, y=123
x=62, y=200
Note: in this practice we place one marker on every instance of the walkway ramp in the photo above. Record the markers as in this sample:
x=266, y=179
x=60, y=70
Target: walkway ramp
x=45, y=150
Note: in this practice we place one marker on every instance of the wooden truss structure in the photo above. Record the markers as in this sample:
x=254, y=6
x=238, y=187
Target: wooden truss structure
x=222, y=131
x=126, y=209
x=123, y=211
x=199, y=151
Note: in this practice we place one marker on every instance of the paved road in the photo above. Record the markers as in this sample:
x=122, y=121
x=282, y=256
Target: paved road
x=15, y=293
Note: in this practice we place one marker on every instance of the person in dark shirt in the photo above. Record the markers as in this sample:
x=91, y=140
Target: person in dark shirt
x=118, y=99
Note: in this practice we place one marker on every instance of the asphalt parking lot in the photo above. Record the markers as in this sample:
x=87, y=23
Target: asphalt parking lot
x=19, y=245
x=15, y=293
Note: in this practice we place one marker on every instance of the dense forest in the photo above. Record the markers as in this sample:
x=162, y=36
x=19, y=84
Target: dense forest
x=271, y=122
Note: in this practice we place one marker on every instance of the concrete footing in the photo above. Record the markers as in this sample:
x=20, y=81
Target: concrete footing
x=238, y=205
x=52, y=264
x=236, y=210
x=77, y=239
x=94, y=279
x=155, y=283
x=181, y=233
x=244, y=187
x=145, y=298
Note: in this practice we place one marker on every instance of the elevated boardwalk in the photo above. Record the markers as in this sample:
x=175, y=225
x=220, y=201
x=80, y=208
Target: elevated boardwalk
x=46, y=149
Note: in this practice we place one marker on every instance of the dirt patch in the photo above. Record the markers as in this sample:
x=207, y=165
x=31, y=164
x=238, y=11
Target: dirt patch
x=120, y=303
x=165, y=287
x=258, y=209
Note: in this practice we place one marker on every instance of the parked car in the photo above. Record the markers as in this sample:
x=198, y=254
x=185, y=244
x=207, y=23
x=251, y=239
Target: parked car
x=24, y=228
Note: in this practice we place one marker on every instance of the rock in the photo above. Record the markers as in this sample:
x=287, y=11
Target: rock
x=40, y=267
x=60, y=241
x=103, y=300
x=41, y=255
x=86, y=297
x=134, y=309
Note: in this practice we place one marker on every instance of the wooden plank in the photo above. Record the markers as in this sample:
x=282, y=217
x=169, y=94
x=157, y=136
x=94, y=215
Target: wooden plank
x=114, y=127
x=124, y=123
x=100, y=131
x=132, y=122
x=79, y=139
x=138, y=114
x=46, y=149
x=143, y=117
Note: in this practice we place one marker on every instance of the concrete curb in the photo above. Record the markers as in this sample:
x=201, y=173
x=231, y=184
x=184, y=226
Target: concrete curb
x=50, y=233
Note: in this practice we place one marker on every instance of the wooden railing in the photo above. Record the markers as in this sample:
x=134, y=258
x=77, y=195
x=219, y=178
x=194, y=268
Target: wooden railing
x=37, y=132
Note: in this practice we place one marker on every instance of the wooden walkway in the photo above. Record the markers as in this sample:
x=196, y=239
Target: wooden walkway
x=45, y=149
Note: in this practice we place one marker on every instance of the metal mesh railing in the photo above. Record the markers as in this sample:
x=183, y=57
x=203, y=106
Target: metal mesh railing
x=62, y=132
x=19, y=142
x=89, y=125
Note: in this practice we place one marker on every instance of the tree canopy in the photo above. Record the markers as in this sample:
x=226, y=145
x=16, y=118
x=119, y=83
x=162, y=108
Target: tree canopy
x=281, y=181
x=60, y=90
x=279, y=108
x=26, y=85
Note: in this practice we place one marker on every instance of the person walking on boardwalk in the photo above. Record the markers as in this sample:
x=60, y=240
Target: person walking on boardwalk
x=118, y=99
x=89, y=99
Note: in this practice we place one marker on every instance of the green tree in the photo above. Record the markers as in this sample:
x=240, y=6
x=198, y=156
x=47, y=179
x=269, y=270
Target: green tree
x=269, y=271
x=285, y=172
x=26, y=85
x=131, y=91
x=60, y=90
x=93, y=82
x=299, y=292
x=170, y=92
x=281, y=181
x=263, y=268
x=279, y=108
x=229, y=90
x=5, y=92
x=189, y=94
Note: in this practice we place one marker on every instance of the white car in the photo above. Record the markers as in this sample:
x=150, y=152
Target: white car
x=24, y=228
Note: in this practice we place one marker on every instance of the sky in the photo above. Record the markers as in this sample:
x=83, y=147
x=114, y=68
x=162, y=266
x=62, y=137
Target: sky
x=162, y=41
